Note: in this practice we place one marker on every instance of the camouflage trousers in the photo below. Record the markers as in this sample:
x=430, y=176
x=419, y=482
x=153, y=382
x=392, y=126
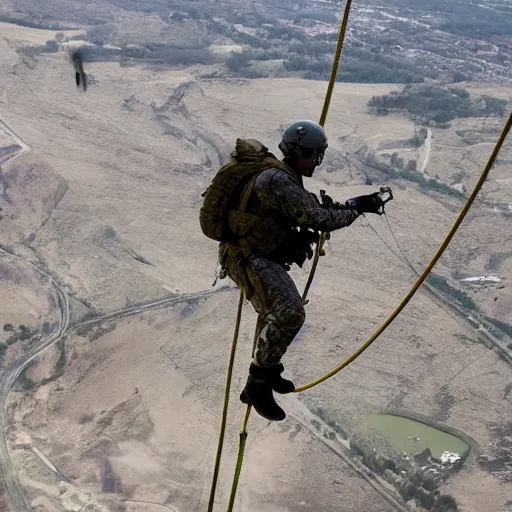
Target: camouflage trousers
x=279, y=306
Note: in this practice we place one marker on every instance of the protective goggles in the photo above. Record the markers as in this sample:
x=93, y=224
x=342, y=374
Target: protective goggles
x=317, y=153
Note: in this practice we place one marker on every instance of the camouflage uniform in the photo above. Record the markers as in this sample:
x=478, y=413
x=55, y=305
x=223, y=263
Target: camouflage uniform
x=276, y=299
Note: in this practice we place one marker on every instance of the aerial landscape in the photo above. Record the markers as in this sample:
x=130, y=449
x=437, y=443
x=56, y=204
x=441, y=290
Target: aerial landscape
x=115, y=327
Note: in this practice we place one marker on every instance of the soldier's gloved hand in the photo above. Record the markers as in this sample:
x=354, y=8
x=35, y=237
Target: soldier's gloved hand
x=303, y=249
x=371, y=203
x=328, y=202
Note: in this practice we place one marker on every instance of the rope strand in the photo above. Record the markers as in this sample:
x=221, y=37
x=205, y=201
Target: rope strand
x=226, y=402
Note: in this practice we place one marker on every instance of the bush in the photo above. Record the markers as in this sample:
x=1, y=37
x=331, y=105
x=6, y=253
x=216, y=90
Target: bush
x=47, y=328
x=311, y=48
x=361, y=71
x=445, y=503
x=237, y=61
x=86, y=418
x=396, y=170
x=7, y=248
x=254, y=42
x=356, y=448
x=461, y=297
x=438, y=104
x=416, y=141
x=61, y=362
x=459, y=77
x=457, y=177
x=175, y=56
x=503, y=326
x=24, y=333
x=51, y=46
x=27, y=384
x=359, y=65
x=429, y=483
x=425, y=498
x=322, y=413
x=320, y=66
x=407, y=491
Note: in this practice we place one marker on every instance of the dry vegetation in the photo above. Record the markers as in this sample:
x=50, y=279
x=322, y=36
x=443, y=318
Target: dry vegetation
x=108, y=199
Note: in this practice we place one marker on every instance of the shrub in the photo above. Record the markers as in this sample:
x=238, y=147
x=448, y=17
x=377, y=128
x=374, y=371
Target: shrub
x=237, y=61
x=86, y=418
x=438, y=104
x=442, y=284
x=445, y=503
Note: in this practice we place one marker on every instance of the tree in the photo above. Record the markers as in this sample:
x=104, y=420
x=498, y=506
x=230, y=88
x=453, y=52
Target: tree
x=445, y=503
x=237, y=61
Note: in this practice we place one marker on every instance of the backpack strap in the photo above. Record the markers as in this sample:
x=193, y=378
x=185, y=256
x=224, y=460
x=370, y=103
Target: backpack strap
x=246, y=194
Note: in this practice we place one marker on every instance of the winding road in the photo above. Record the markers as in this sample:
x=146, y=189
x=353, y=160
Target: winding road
x=427, y=150
x=9, y=376
x=7, y=380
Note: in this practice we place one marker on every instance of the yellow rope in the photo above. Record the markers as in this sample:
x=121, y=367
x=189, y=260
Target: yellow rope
x=337, y=57
x=394, y=314
x=226, y=403
x=318, y=252
x=323, y=116
x=239, y=459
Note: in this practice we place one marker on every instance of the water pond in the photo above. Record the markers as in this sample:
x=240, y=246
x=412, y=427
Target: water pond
x=413, y=437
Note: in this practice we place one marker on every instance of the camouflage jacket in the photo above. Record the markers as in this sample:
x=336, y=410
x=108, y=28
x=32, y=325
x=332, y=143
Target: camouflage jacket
x=280, y=191
x=277, y=190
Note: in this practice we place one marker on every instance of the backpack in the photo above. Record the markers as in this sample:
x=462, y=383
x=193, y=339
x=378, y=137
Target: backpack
x=223, y=195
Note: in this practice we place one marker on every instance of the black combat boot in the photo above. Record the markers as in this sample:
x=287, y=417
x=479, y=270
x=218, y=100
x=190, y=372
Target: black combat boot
x=280, y=385
x=258, y=394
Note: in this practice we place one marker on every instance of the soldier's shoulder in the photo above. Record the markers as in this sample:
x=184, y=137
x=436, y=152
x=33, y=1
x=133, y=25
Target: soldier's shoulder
x=274, y=175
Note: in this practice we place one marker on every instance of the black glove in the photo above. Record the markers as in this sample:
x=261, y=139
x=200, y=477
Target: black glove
x=371, y=203
x=297, y=248
x=328, y=202
x=305, y=238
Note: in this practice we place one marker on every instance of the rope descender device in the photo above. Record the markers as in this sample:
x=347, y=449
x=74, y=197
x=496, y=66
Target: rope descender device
x=389, y=192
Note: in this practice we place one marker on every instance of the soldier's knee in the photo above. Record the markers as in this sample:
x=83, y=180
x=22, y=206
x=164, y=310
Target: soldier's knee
x=296, y=317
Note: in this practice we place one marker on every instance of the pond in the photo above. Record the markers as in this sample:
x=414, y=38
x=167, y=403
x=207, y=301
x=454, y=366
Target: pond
x=414, y=437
